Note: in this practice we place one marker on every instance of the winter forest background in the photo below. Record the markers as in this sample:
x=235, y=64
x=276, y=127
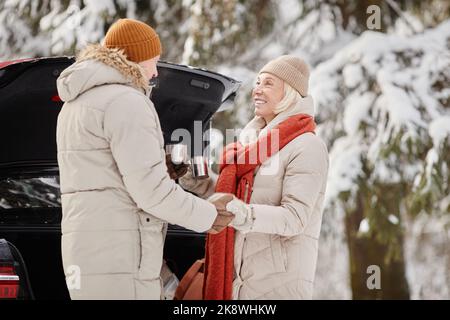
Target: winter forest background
x=380, y=82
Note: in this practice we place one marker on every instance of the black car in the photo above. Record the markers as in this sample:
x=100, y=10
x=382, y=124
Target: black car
x=30, y=208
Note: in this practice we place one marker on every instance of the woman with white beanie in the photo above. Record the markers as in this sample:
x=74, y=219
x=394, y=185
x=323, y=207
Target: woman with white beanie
x=270, y=252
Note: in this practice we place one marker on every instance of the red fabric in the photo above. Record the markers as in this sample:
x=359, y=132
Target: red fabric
x=237, y=168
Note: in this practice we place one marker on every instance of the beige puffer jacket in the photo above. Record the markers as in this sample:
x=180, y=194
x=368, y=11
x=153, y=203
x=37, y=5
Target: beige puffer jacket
x=277, y=258
x=116, y=193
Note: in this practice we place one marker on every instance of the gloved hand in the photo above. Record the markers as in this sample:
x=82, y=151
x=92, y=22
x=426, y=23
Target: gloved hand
x=224, y=217
x=175, y=171
x=243, y=214
x=244, y=218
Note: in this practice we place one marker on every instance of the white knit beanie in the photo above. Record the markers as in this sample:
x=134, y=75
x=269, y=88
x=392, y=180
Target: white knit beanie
x=292, y=70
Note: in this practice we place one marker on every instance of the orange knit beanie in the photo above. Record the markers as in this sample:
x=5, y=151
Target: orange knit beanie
x=138, y=40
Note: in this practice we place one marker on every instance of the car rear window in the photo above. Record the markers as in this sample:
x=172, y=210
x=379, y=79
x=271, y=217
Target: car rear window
x=34, y=192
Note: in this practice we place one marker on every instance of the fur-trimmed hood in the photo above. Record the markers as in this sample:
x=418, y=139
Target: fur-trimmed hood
x=97, y=65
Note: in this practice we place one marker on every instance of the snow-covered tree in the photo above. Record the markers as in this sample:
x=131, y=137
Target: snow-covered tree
x=382, y=107
x=371, y=207
x=384, y=101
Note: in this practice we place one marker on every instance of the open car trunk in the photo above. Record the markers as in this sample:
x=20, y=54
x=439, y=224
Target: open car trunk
x=29, y=105
x=30, y=211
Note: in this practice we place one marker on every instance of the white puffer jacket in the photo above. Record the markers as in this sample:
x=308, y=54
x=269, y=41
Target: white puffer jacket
x=116, y=193
x=277, y=258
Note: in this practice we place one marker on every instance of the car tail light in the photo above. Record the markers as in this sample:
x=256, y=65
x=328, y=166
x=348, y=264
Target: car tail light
x=9, y=279
x=9, y=283
x=56, y=98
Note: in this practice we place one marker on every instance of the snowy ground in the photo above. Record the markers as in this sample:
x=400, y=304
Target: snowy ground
x=427, y=250
x=427, y=253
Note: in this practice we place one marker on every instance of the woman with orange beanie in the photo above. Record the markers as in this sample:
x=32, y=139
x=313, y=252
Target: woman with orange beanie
x=270, y=252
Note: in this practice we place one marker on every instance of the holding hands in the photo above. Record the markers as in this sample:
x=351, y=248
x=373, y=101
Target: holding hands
x=224, y=217
x=231, y=211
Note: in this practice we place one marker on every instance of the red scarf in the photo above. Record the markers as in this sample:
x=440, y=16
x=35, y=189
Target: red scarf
x=236, y=176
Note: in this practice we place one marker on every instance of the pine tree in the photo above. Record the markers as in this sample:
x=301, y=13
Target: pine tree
x=386, y=118
x=382, y=99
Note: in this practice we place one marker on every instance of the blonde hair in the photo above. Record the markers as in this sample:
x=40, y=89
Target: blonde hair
x=291, y=96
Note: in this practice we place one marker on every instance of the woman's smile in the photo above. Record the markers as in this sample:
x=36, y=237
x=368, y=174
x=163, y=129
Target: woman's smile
x=258, y=102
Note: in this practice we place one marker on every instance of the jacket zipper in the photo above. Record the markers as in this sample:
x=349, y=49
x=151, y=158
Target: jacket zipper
x=238, y=272
x=246, y=192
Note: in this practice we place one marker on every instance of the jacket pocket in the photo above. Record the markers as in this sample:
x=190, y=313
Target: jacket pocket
x=279, y=256
x=151, y=233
